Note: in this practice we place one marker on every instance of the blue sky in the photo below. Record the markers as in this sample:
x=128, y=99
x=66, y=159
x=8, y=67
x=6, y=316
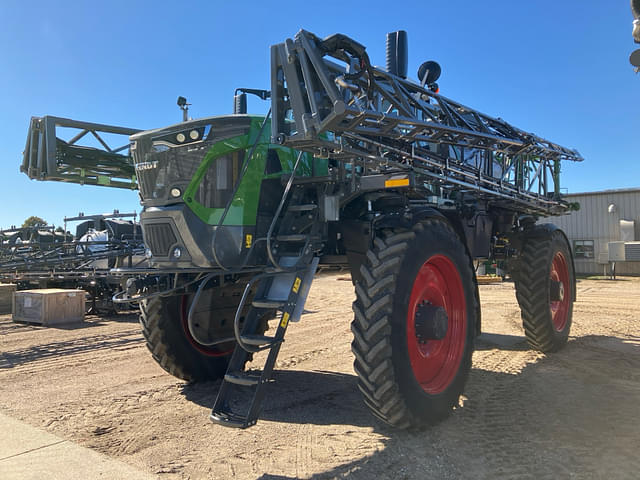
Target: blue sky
x=556, y=68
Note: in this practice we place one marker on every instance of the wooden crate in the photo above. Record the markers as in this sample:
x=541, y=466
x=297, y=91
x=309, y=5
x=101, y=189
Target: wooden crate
x=488, y=279
x=6, y=297
x=49, y=306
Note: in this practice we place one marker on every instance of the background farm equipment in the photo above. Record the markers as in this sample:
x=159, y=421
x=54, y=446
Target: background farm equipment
x=41, y=257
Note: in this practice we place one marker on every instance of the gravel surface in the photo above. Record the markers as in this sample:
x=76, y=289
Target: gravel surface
x=573, y=414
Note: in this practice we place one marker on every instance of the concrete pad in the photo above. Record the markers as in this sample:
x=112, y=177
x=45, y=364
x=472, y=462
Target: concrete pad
x=19, y=437
x=29, y=453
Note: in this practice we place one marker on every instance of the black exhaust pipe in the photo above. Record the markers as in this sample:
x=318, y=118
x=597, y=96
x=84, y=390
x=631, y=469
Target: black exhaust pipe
x=397, y=53
x=239, y=103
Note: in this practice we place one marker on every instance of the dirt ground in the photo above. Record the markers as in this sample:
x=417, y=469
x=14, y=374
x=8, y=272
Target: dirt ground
x=573, y=414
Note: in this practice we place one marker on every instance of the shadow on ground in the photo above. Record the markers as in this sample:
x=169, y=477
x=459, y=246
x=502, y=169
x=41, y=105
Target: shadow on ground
x=87, y=344
x=315, y=397
x=490, y=341
x=327, y=398
x=573, y=414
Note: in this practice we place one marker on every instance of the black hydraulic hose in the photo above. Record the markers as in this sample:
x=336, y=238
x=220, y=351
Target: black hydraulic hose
x=338, y=42
x=122, y=297
x=236, y=321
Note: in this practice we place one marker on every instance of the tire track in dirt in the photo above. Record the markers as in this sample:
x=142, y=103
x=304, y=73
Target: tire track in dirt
x=120, y=425
x=304, y=447
x=542, y=423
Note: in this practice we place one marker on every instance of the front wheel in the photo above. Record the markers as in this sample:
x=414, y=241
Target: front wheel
x=415, y=322
x=168, y=337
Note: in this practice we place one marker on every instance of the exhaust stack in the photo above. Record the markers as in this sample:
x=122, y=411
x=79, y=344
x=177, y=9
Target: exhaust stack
x=397, y=53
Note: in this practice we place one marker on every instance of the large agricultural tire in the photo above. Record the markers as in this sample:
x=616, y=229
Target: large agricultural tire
x=164, y=327
x=545, y=286
x=409, y=382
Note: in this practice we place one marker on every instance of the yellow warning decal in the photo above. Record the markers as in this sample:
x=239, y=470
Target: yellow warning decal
x=396, y=182
x=296, y=285
x=285, y=320
x=248, y=240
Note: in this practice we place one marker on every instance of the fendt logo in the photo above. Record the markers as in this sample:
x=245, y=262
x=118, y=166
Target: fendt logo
x=147, y=165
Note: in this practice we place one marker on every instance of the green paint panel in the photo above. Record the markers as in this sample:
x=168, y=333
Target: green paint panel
x=244, y=205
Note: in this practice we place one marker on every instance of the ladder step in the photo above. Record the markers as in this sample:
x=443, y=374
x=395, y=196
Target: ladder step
x=302, y=208
x=258, y=340
x=230, y=419
x=294, y=284
x=292, y=238
x=267, y=303
x=242, y=378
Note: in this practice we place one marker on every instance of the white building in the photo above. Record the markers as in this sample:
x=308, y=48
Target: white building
x=606, y=216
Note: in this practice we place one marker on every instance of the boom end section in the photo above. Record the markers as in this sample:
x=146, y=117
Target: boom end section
x=65, y=150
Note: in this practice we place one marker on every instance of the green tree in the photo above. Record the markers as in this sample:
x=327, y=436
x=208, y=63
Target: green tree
x=34, y=221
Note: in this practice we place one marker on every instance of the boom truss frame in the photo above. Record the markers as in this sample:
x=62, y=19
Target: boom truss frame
x=379, y=122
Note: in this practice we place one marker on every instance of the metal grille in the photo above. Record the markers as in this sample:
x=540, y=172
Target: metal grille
x=632, y=251
x=159, y=238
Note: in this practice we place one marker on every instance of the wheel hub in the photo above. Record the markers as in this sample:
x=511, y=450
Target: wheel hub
x=431, y=322
x=436, y=324
x=556, y=291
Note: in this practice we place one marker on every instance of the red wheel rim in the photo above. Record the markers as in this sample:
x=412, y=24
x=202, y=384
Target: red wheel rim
x=436, y=362
x=212, y=351
x=560, y=308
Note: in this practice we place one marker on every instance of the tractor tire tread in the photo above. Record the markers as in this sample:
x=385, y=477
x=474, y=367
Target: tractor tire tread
x=532, y=293
x=371, y=327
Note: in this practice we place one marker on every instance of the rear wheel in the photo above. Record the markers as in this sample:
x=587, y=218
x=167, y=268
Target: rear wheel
x=545, y=289
x=174, y=347
x=415, y=321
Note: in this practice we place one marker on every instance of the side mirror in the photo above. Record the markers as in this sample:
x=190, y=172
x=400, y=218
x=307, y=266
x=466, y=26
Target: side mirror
x=635, y=58
x=429, y=72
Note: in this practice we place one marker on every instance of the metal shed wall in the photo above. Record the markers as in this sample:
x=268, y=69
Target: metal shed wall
x=594, y=222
